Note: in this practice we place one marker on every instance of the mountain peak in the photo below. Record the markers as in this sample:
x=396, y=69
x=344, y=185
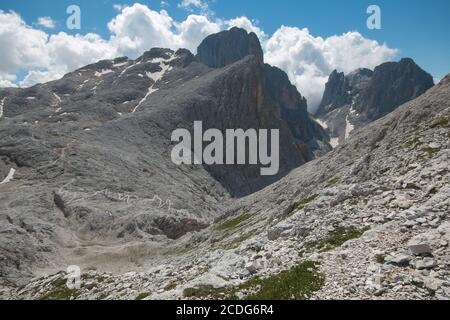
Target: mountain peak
x=361, y=72
x=407, y=60
x=392, y=84
x=336, y=93
x=226, y=47
x=155, y=53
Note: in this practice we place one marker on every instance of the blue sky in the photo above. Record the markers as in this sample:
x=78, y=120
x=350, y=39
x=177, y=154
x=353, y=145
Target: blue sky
x=417, y=28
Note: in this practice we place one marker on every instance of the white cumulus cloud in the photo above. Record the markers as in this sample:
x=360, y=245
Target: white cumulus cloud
x=76, y=51
x=190, y=5
x=118, y=6
x=46, y=22
x=138, y=28
x=45, y=57
x=22, y=46
x=194, y=29
x=134, y=30
x=7, y=80
x=36, y=76
x=247, y=24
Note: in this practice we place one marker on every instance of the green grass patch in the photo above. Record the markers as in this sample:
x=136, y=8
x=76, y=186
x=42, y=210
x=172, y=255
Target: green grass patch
x=205, y=291
x=301, y=204
x=354, y=201
x=433, y=191
x=170, y=286
x=413, y=186
x=297, y=283
x=232, y=223
x=102, y=296
x=414, y=142
x=404, y=172
x=257, y=249
x=59, y=291
x=181, y=251
x=97, y=278
x=441, y=122
x=431, y=152
x=142, y=295
x=332, y=181
x=336, y=238
x=296, y=206
x=236, y=242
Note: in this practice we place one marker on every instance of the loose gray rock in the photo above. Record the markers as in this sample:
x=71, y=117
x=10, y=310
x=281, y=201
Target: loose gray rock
x=420, y=250
x=399, y=260
x=427, y=263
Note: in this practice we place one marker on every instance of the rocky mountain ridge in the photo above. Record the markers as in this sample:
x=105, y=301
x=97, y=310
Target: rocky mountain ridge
x=354, y=100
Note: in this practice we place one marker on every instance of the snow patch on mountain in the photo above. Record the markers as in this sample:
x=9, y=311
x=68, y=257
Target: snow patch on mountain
x=9, y=177
x=82, y=85
x=334, y=142
x=129, y=67
x=57, y=97
x=323, y=124
x=103, y=72
x=150, y=91
x=155, y=76
x=117, y=65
